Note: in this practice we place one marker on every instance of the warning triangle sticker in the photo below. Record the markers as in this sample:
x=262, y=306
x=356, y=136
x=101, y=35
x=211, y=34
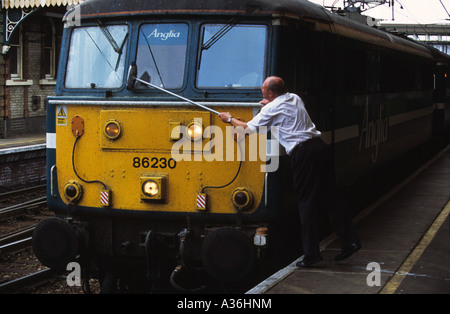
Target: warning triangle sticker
x=61, y=113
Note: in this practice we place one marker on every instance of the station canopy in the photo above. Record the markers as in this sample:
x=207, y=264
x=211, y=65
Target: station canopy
x=22, y=4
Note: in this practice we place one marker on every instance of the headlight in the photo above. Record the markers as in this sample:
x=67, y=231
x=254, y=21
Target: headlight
x=153, y=188
x=112, y=129
x=195, y=131
x=150, y=188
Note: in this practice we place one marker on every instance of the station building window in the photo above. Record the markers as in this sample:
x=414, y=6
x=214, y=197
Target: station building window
x=16, y=59
x=49, y=59
x=16, y=55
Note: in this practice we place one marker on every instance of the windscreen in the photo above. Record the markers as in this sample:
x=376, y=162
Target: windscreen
x=161, y=54
x=232, y=56
x=97, y=57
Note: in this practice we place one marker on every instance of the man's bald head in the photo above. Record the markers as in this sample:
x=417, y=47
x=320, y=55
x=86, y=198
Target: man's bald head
x=276, y=85
x=273, y=87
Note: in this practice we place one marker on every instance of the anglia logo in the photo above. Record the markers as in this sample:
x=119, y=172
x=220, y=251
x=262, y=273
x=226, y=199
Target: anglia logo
x=164, y=36
x=374, y=129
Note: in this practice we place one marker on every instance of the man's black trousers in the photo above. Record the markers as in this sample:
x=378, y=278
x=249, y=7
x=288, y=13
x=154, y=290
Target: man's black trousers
x=315, y=183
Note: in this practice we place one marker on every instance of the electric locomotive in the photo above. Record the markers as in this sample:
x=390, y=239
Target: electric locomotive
x=148, y=187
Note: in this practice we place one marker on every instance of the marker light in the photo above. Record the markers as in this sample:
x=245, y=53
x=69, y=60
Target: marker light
x=73, y=191
x=112, y=129
x=195, y=131
x=242, y=199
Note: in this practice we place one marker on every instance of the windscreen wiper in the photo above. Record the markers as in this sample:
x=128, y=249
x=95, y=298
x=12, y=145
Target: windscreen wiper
x=112, y=42
x=153, y=57
x=109, y=37
x=215, y=38
x=220, y=33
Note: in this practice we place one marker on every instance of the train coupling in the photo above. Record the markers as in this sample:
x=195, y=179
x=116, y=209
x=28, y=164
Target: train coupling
x=156, y=246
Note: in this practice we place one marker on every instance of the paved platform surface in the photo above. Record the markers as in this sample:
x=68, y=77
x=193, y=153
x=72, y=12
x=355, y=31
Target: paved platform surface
x=405, y=241
x=22, y=141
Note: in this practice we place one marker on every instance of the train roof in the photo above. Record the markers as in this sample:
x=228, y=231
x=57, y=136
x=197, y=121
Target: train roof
x=300, y=9
x=98, y=8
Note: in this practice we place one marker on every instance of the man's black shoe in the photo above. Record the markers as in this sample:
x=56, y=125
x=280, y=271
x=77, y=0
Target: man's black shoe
x=307, y=261
x=348, y=251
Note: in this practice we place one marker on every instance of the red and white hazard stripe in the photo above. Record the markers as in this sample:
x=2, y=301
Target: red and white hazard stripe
x=104, y=197
x=201, y=201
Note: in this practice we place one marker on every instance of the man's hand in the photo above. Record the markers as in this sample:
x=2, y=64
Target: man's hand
x=264, y=102
x=235, y=122
x=224, y=116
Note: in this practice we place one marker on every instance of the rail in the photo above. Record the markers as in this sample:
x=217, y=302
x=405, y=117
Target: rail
x=20, y=209
x=27, y=281
x=17, y=240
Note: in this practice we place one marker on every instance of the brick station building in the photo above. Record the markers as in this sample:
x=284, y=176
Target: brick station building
x=30, y=35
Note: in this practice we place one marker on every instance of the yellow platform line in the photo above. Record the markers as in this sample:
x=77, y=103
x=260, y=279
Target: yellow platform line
x=412, y=259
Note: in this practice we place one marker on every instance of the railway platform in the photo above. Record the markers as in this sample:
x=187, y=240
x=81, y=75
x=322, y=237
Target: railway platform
x=11, y=144
x=22, y=160
x=405, y=244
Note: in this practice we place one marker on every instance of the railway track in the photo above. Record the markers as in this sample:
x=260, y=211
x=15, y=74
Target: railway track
x=18, y=266
x=20, y=271
x=15, y=193
x=33, y=279
x=16, y=241
x=20, y=209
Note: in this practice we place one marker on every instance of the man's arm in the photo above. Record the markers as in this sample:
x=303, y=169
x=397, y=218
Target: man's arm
x=226, y=117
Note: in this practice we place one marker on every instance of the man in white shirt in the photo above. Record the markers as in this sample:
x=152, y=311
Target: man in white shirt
x=312, y=168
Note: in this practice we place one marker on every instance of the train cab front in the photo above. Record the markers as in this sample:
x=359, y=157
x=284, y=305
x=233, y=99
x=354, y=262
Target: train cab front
x=139, y=185
x=150, y=184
